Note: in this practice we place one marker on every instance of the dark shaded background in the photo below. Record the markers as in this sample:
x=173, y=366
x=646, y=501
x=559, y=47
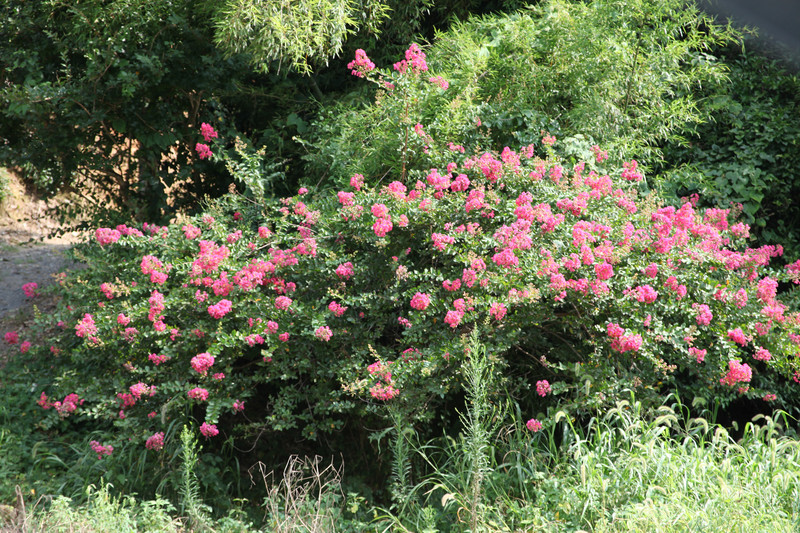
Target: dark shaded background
x=778, y=22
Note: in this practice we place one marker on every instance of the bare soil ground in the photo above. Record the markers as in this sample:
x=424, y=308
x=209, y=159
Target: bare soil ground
x=27, y=254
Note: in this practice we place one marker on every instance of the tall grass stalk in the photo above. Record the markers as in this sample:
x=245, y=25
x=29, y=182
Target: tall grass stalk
x=191, y=504
x=478, y=375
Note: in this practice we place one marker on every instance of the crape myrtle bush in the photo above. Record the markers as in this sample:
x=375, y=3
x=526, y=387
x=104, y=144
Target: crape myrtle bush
x=301, y=313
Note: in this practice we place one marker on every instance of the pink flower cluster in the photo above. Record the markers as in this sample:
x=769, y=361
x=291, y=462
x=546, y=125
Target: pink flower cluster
x=101, y=450
x=202, y=362
x=323, y=333
x=220, y=309
x=620, y=342
x=155, y=442
x=30, y=289
x=631, y=172
x=361, y=64
x=68, y=405
x=533, y=425
x=208, y=132
x=439, y=82
x=336, y=308
x=106, y=236
x=543, y=387
x=738, y=336
x=11, y=337
x=704, y=315
x=420, y=301
x=384, y=390
x=737, y=373
x=415, y=61
x=498, y=310
x=86, y=328
x=203, y=151
x=209, y=430
x=152, y=266
x=198, y=394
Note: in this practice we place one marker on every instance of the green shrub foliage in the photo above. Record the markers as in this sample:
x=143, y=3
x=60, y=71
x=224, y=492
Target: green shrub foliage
x=103, y=97
x=619, y=74
x=748, y=152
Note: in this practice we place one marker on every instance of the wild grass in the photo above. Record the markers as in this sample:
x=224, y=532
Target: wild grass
x=627, y=471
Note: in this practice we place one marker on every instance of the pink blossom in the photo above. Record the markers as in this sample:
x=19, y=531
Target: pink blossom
x=600, y=155
x=414, y=61
x=505, y=258
x=630, y=172
x=361, y=64
x=336, y=308
x=106, y=236
x=738, y=336
x=157, y=359
x=198, y=393
x=323, y=333
x=357, y=181
x=155, y=442
x=345, y=270
x=614, y=331
x=420, y=301
x=498, y=310
x=646, y=294
x=208, y=132
x=101, y=450
x=630, y=343
x=451, y=285
x=220, y=309
x=209, y=430
x=603, y=270
x=30, y=289
x=439, y=81
x=283, y=337
x=12, y=337
x=282, y=302
x=108, y=290
x=141, y=389
x=86, y=327
x=737, y=373
x=238, y=406
x=68, y=405
x=651, y=270
x=700, y=355
x=704, y=315
x=441, y=240
x=346, y=198
x=383, y=392
x=453, y=318
x=382, y=226
x=202, y=362
x=762, y=354
x=533, y=425
x=203, y=151
x=543, y=387
x=767, y=290
x=24, y=347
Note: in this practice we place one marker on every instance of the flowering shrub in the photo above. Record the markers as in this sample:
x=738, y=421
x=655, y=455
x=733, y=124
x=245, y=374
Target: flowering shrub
x=312, y=311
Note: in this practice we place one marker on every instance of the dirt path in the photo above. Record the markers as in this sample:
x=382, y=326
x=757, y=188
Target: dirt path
x=26, y=255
